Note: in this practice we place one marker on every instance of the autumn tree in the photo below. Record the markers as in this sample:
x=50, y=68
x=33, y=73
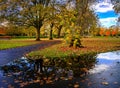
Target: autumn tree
x=67, y=20
x=116, y=4
x=114, y=32
x=85, y=16
x=25, y=12
x=56, y=18
x=107, y=32
x=60, y=19
x=52, y=18
x=102, y=32
x=79, y=18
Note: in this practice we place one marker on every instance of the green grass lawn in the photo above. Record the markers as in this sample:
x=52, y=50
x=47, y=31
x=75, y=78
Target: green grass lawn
x=12, y=43
x=91, y=45
x=96, y=45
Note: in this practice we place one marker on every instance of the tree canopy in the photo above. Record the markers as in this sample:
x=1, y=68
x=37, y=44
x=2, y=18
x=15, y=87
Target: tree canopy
x=116, y=4
x=72, y=14
x=25, y=12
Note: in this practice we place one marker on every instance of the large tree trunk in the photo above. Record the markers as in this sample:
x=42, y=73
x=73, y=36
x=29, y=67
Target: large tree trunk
x=50, y=38
x=38, y=27
x=38, y=34
x=51, y=30
x=59, y=31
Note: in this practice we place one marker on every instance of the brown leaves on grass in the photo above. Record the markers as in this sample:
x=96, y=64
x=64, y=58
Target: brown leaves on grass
x=95, y=45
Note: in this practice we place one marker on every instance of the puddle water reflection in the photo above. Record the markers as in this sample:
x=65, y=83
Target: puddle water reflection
x=87, y=73
x=105, y=61
x=109, y=58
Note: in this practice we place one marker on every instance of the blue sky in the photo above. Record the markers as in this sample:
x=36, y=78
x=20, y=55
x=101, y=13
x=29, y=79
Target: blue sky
x=105, y=12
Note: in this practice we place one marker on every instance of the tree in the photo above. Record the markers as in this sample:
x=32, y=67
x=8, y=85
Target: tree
x=79, y=19
x=116, y=4
x=56, y=8
x=25, y=12
x=101, y=32
x=59, y=30
x=107, y=32
x=59, y=22
x=86, y=17
x=114, y=32
x=51, y=19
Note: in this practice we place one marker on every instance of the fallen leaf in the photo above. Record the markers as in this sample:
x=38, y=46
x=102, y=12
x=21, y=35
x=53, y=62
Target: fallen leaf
x=82, y=80
x=76, y=85
x=4, y=81
x=89, y=83
x=1, y=87
x=10, y=86
x=115, y=82
x=104, y=83
x=16, y=81
x=70, y=85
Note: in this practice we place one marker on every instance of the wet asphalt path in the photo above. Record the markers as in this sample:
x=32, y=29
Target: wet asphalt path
x=15, y=53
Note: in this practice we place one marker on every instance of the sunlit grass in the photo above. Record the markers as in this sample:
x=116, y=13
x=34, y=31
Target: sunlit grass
x=5, y=44
x=91, y=45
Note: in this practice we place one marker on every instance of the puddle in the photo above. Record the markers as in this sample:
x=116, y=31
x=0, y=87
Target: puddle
x=102, y=72
x=106, y=73
x=106, y=61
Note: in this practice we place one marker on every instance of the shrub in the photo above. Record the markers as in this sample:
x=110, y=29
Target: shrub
x=73, y=40
x=107, y=33
x=101, y=32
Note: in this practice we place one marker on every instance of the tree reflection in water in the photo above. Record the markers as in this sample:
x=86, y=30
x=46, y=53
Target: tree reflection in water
x=47, y=71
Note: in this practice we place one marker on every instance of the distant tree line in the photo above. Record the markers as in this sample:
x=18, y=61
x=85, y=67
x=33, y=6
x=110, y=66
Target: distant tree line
x=52, y=18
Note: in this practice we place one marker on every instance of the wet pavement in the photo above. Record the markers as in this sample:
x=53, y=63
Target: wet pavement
x=103, y=73
x=11, y=54
x=106, y=73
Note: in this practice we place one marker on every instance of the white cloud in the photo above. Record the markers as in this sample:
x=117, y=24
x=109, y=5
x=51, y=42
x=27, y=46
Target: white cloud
x=107, y=22
x=99, y=68
x=113, y=57
x=109, y=56
x=103, y=7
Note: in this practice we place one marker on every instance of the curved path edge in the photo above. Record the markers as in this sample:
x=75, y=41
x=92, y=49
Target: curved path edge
x=15, y=53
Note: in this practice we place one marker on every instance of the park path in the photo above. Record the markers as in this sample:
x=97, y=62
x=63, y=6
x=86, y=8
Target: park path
x=15, y=53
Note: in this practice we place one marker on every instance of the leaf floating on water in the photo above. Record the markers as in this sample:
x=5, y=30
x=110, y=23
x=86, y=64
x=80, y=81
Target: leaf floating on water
x=111, y=74
x=45, y=78
x=82, y=75
x=104, y=83
x=9, y=75
x=4, y=81
x=20, y=77
x=76, y=85
x=63, y=78
x=23, y=84
x=10, y=86
x=89, y=83
x=16, y=81
x=70, y=78
x=82, y=80
x=104, y=78
x=115, y=82
x=70, y=85
x=41, y=82
x=87, y=79
x=49, y=81
x=36, y=81
x=1, y=87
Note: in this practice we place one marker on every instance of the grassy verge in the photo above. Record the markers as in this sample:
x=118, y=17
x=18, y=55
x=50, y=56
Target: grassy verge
x=91, y=45
x=12, y=43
